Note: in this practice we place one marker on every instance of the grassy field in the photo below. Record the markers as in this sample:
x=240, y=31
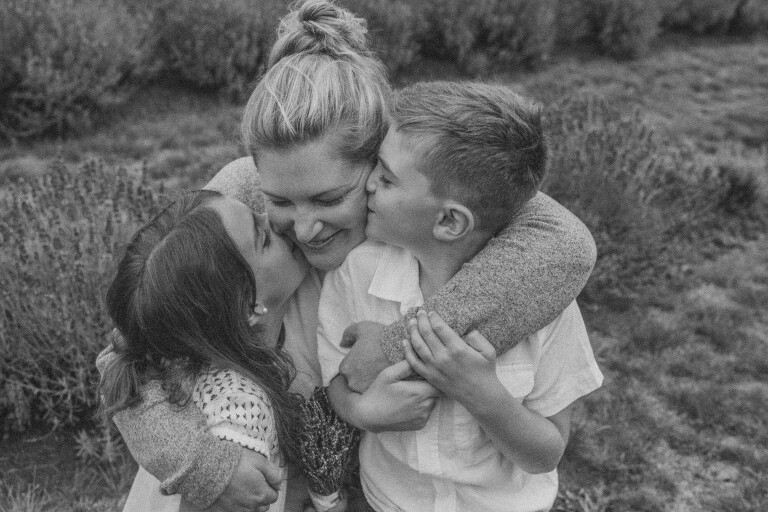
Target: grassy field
x=681, y=423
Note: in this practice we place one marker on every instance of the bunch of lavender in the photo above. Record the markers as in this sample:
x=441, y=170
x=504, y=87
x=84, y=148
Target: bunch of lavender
x=327, y=444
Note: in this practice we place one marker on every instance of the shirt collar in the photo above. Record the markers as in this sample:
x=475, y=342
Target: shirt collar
x=397, y=279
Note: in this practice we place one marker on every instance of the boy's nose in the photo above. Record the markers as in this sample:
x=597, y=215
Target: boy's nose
x=370, y=184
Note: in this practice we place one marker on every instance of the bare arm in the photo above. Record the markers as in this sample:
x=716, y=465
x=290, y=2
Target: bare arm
x=391, y=403
x=516, y=285
x=466, y=372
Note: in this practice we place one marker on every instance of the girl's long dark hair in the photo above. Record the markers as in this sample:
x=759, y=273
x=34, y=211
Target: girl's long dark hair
x=180, y=298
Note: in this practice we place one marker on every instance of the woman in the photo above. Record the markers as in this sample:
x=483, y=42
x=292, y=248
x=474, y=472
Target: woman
x=313, y=126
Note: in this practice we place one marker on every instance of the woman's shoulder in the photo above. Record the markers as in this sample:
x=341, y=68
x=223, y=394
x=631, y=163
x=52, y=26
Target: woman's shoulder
x=239, y=179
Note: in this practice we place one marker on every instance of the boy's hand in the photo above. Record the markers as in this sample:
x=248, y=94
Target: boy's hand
x=366, y=359
x=460, y=369
x=253, y=486
x=395, y=404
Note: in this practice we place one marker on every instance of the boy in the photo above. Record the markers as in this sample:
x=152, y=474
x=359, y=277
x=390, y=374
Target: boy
x=458, y=162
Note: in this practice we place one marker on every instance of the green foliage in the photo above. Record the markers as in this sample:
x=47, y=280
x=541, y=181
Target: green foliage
x=214, y=44
x=58, y=237
x=478, y=34
x=61, y=61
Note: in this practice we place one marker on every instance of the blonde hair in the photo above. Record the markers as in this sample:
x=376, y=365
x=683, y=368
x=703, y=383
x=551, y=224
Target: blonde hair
x=323, y=81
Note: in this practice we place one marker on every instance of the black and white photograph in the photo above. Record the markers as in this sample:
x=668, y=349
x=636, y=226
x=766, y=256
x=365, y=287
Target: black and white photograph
x=384, y=255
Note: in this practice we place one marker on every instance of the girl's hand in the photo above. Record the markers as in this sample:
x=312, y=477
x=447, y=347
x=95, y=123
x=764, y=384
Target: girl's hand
x=392, y=403
x=461, y=369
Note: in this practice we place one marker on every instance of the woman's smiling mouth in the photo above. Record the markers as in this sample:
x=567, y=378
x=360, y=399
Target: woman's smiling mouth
x=320, y=244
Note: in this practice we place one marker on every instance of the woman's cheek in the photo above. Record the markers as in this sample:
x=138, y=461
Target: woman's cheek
x=278, y=219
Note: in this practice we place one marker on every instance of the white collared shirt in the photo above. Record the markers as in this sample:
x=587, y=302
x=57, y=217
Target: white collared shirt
x=450, y=464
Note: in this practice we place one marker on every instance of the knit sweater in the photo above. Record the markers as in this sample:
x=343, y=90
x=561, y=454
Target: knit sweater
x=518, y=283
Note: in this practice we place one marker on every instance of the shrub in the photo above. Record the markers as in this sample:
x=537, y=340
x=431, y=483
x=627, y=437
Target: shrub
x=393, y=26
x=609, y=170
x=476, y=34
x=699, y=16
x=751, y=17
x=621, y=28
x=58, y=236
x=214, y=44
x=629, y=28
x=61, y=61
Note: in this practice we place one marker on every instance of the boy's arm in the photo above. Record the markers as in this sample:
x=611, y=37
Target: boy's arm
x=516, y=285
x=466, y=372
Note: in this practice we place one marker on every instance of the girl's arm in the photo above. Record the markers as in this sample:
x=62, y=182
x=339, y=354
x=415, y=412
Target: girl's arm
x=518, y=283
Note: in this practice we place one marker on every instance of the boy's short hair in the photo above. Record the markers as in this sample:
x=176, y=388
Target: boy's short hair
x=484, y=145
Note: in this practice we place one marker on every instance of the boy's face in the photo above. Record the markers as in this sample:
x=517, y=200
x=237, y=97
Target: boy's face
x=401, y=208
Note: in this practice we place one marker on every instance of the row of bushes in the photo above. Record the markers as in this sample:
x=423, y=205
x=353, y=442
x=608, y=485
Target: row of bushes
x=63, y=60
x=58, y=238
x=647, y=204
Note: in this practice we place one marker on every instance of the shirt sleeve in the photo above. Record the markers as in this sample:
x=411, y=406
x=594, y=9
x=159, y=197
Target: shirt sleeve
x=335, y=313
x=174, y=444
x=518, y=283
x=566, y=368
x=237, y=410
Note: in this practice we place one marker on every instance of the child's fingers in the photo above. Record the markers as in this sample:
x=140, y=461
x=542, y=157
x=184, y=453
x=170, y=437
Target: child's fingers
x=398, y=371
x=443, y=331
x=413, y=360
x=480, y=343
x=417, y=342
x=428, y=335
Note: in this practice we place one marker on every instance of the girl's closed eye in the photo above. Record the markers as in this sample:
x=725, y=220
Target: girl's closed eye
x=383, y=180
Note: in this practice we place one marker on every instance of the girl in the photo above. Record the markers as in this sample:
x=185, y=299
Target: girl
x=199, y=297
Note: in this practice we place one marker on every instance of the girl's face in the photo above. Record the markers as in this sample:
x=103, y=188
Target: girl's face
x=317, y=199
x=278, y=266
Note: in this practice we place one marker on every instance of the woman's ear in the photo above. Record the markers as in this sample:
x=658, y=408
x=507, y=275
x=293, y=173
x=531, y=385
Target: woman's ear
x=454, y=221
x=257, y=314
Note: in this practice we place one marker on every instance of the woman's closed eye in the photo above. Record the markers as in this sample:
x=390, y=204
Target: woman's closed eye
x=329, y=202
x=279, y=203
x=383, y=180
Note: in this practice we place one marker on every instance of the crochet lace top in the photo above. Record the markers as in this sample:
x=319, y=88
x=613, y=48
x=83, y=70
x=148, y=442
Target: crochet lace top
x=236, y=409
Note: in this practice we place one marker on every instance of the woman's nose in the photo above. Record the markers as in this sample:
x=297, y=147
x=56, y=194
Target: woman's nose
x=306, y=227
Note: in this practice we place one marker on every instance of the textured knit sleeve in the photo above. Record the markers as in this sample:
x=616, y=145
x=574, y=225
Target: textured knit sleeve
x=174, y=444
x=240, y=180
x=518, y=283
x=237, y=410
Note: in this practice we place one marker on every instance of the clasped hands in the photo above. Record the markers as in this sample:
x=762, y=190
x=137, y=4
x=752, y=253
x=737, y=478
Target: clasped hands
x=449, y=364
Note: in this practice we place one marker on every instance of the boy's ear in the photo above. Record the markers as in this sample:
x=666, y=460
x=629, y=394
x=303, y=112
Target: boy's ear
x=454, y=221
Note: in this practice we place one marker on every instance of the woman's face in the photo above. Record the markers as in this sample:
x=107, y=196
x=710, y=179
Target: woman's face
x=317, y=199
x=277, y=264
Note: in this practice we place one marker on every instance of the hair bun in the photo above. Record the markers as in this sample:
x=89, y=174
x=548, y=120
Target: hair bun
x=320, y=27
